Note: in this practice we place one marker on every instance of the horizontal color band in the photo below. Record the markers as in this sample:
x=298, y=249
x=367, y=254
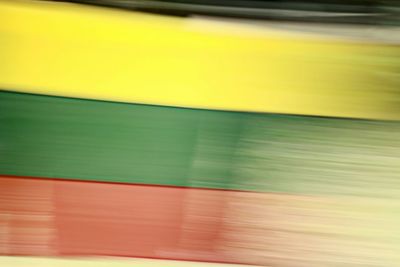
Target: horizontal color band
x=86, y=52
x=57, y=137
x=53, y=217
x=102, y=262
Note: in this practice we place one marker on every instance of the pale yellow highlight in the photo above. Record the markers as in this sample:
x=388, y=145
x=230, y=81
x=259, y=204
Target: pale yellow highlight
x=10, y=261
x=96, y=53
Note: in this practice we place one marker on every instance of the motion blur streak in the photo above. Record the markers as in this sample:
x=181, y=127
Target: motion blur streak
x=86, y=52
x=101, y=262
x=199, y=133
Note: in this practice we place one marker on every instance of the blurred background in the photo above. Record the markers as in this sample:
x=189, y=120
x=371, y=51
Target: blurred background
x=200, y=133
x=371, y=12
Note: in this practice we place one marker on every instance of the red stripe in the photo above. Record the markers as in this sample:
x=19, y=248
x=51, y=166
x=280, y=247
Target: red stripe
x=62, y=217
x=122, y=183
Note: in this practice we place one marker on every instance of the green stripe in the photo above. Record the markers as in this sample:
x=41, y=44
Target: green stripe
x=83, y=139
x=92, y=140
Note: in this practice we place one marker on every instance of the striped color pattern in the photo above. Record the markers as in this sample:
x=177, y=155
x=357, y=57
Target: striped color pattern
x=193, y=161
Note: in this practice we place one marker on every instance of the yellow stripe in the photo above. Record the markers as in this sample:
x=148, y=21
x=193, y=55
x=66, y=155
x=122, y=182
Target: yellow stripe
x=70, y=50
x=100, y=262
